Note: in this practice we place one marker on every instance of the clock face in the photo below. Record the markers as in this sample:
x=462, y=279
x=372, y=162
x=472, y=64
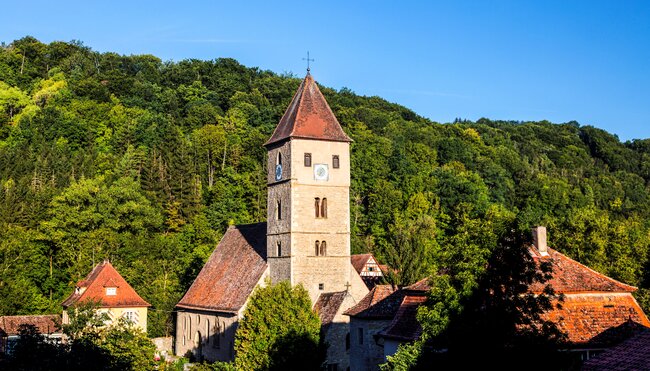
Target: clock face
x=321, y=172
x=278, y=172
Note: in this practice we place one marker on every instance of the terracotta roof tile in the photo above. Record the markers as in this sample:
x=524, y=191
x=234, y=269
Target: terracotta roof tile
x=595, y=320
x=46, y=324
x=359, y=261
x=569, y=276
x=308, y=116
x=328, y=304
x=405, y=326
x=631, y=354
x=421, y=286
x=382, y=302
x=232, y=271
x=93, y=288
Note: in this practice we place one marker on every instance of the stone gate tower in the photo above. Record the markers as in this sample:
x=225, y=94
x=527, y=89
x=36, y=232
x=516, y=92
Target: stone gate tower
x=308, y=224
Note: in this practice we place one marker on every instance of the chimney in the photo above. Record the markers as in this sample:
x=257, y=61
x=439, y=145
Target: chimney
x=539, y=240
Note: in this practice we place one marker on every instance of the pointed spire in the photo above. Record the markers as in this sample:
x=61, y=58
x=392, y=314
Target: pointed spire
x=308, y=117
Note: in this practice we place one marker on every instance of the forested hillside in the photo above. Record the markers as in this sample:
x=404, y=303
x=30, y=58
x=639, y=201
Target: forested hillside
x=147, y=162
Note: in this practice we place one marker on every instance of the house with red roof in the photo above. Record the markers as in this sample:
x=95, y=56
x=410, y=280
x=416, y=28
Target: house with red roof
x=596, y=312
x=305, y=239
x=105, y=287
x=48, y=325
x=367, y=267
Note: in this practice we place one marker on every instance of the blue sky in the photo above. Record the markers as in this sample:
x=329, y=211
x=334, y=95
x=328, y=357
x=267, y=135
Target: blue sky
x=587, y=61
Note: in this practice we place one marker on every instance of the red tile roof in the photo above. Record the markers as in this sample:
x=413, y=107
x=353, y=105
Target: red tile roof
x=359, y=261
x=46, y=324
x=569, y=276
x=308, y=116
x=93, y=288
x=232, y=271
x=328, y=304
x=405, y=326
x=422, y=286
x=382, y=302
x=594, y=320
x=631, y=354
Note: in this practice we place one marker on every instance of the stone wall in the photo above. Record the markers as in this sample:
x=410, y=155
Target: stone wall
x=365, y=353
x=205, y=335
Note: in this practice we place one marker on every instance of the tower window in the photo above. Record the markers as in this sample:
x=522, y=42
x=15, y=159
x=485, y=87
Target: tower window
x=321, y=286
x=278, y=161
x=317, y=245
x=278, y=247
x=323, y=208
x=335, y=161
x=279, y=210
x=307, y=159
x=317, y=207
x=323, y=248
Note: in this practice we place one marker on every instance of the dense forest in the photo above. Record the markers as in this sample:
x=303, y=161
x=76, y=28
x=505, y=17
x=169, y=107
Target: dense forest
x=147, y=162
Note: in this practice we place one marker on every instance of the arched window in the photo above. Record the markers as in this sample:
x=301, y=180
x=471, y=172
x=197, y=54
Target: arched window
x=317, y=207
x=216, y=341
x=323, y=208
x=207, y=331
x=335, y=162
x=308, y=159
x=323, y=248
x=317, y=248
x=278, y=160
x=278, y=210
x=278, y=247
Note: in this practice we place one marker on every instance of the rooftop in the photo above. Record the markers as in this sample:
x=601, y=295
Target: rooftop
x=308, y=117
x=94, y=288
x=232, y=271
x=46, y=324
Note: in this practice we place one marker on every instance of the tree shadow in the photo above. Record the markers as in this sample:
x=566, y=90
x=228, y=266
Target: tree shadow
x=297, y=351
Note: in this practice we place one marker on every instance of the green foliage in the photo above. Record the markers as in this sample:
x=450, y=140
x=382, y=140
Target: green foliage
x=279, y=331
x=139, y=160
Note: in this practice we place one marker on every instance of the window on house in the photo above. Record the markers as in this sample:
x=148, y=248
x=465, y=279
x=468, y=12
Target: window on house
x=323, y=208
x=323, y=248
x=317, y=207
x=335, y=161
x=278, y=210
x=317, y=250
x=216, y=342
x=111, y=291
x=278, y=247
x=131, y=316
x=307, y=159
x=360, y=332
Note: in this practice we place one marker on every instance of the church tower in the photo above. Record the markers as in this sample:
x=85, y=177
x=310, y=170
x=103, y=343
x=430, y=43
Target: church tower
x=308, y=223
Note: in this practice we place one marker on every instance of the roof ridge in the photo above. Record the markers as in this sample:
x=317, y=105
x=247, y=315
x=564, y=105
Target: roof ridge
x=601, y=275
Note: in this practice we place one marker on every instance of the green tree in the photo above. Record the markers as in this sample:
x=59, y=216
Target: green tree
x=279, y=331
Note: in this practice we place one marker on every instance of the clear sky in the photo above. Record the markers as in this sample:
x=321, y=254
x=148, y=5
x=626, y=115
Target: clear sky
x=587, y=61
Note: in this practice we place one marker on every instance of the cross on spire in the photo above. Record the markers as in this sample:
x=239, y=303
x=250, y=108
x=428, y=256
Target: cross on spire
x=308, y=60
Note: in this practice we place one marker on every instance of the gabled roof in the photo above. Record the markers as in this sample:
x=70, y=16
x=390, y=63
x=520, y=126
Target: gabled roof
x=569, y=276
x=232, y=271
x=46, y=324
x=596, y=320
x=359, y=261
x=309, y=117
x=93, y=288
x=631, y=354
x=328, y=304
x=405, y=326
x=382, y=302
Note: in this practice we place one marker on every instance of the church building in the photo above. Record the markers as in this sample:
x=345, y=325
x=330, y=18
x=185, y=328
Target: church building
x=306, y=239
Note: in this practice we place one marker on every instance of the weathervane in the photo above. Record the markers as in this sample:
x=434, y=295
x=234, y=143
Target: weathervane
x=308, y=60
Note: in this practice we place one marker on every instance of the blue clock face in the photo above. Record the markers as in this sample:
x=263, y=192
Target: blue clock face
x=278, y=172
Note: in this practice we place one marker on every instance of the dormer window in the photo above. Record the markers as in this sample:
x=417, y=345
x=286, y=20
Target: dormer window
x=111, y=291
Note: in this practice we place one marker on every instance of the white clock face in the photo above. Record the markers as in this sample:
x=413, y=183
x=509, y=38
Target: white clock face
x=278, y=172
x=321, y=172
